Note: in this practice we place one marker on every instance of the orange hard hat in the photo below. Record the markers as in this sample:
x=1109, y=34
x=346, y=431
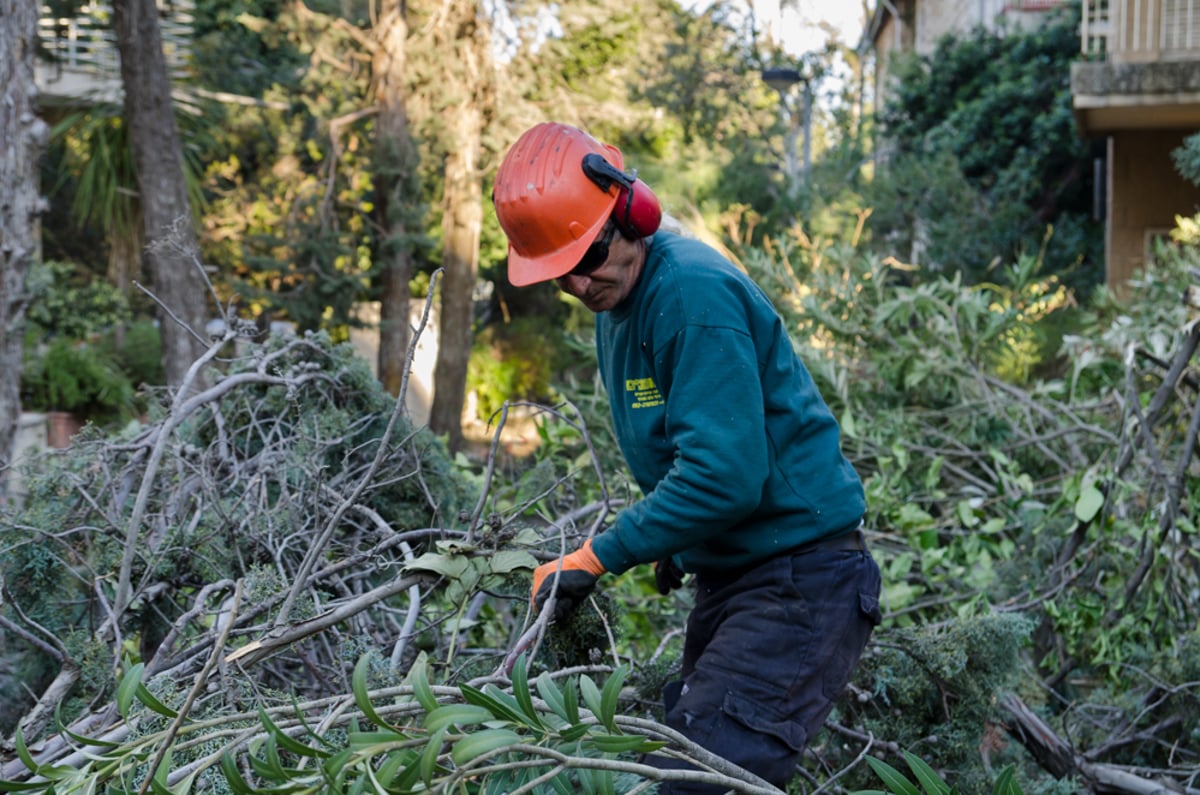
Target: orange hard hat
x=548, y=207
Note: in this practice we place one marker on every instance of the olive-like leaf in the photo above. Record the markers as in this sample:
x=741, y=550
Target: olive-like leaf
x=930, y=781
x=418, y=677
x=430, y=754
x=609, y=698
x=521, y=692
x=480, y=743
x=892, y=778
x=457, y=715
x=127, y=689
x=358, y=683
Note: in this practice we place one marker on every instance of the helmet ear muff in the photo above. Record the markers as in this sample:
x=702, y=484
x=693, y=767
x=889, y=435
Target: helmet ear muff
x=637, y=212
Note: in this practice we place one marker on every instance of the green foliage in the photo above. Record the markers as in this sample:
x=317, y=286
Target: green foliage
x=77, y=377
x=137, y=350
x=937, y=689
x=269, y=460
x=512, y=362
x=405, y=739
x=986, y=157
x=68, y=302
x=1187, y=159
x=931, y=783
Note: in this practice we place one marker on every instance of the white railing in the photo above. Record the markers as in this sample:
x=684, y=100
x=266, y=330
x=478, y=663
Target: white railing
x=1141, y=30
x=85, y=42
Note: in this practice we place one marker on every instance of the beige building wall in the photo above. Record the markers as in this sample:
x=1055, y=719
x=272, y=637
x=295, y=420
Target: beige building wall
x=1145, y=194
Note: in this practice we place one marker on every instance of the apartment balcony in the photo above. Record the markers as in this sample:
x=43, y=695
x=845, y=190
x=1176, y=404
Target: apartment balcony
x=78, y=61
x=1141, y=67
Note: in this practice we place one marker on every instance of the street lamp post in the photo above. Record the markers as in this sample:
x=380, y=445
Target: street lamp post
x=782, y=80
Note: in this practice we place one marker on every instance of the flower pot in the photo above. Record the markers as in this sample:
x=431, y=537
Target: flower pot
x=60, y=427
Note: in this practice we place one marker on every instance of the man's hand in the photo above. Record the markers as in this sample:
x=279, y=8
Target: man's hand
x=580, y=570
x=667, y=576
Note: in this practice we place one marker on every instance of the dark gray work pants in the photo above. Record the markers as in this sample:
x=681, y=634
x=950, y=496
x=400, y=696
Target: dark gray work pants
x=766, y=654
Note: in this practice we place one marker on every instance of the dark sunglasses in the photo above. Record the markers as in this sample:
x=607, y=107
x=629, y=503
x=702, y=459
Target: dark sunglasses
x=595, y=256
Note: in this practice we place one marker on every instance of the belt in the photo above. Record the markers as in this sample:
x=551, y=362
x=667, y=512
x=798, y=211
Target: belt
x=854, y=541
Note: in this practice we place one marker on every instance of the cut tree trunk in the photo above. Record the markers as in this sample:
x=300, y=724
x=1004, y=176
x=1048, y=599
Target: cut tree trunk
x=1056, y=756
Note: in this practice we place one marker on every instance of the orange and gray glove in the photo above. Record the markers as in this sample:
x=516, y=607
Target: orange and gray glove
x=667, y=576
x=580, y=571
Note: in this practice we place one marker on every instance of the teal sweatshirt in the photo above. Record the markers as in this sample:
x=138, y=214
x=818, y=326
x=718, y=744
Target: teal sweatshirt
x=720, y=423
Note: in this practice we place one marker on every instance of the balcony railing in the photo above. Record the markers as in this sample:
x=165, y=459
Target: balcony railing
x=1141, y=30
x=85, y=43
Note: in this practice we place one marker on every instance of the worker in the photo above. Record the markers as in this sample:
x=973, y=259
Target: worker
x=736, y=453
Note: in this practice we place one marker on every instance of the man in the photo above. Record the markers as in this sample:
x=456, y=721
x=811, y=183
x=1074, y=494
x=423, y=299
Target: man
x=737, y=454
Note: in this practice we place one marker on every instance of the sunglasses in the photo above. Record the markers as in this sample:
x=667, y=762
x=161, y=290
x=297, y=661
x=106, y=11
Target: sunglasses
x=595, y=256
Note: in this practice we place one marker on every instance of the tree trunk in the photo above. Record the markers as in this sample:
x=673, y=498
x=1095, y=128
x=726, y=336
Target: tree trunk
x=461, y=222
x=398, y=205
x=23, y=137
x=172, y=255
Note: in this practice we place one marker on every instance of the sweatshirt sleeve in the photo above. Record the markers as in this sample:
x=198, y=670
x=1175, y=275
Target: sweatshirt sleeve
x=715, y=426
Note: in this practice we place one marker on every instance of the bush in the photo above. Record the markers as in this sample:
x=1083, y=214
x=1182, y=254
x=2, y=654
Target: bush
x=76, y=377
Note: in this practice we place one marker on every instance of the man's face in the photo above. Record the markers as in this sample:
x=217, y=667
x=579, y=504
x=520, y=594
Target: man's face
x=603, y=288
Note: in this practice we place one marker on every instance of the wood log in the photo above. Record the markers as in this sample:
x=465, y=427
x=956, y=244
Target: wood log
x=1057, y=757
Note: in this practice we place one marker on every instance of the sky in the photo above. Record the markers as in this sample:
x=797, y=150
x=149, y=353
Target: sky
x=801, y=22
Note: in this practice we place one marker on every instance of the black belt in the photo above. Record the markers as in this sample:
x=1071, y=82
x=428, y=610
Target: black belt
x=854, y=541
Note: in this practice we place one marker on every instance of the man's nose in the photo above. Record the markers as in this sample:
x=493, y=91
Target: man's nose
x=575, y=285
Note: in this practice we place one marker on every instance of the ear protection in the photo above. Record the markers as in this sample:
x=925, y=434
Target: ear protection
x=637, y=213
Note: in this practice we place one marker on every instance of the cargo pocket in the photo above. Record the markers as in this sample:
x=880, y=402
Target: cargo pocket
x=868, y=605
x=764, y=720
x=760, y=740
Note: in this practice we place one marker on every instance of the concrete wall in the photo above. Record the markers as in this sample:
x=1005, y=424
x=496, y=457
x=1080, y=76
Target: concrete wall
x=30, y=440
x=419, y=397
x=1145, y=194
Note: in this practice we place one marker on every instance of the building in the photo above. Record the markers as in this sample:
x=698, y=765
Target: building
x=1138, y=86
x=78, y=64
x=902, y=26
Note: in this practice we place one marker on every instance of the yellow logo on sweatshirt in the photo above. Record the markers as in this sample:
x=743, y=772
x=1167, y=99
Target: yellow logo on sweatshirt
x=644, y=392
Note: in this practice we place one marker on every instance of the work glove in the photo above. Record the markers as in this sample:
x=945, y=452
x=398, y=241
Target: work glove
x=580, y=571
x=667, y=576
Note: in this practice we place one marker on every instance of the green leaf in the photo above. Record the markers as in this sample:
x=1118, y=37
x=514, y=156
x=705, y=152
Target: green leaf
x=21, y=786
x=457, y=715
x=524, y=698
x=551, y=694
x=591, y=695
x=418, y=677
x=361, y=741
x=571, y=702
x=152, y=703
x=510, y=560
x=562, y=784
x=620, y=743
x=1090, y=501
x=452, y=566
x=127, y=689
x=574, y=732
x=23, y=751
x=930, y=781
x=1006, y=783
x=892, y=778
x=358, y=683
x=610, y=696
x=286, y=741
x=391, y=767
x=501, y=704
x=429, y=756
x=233, y=776
x=480, y=743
